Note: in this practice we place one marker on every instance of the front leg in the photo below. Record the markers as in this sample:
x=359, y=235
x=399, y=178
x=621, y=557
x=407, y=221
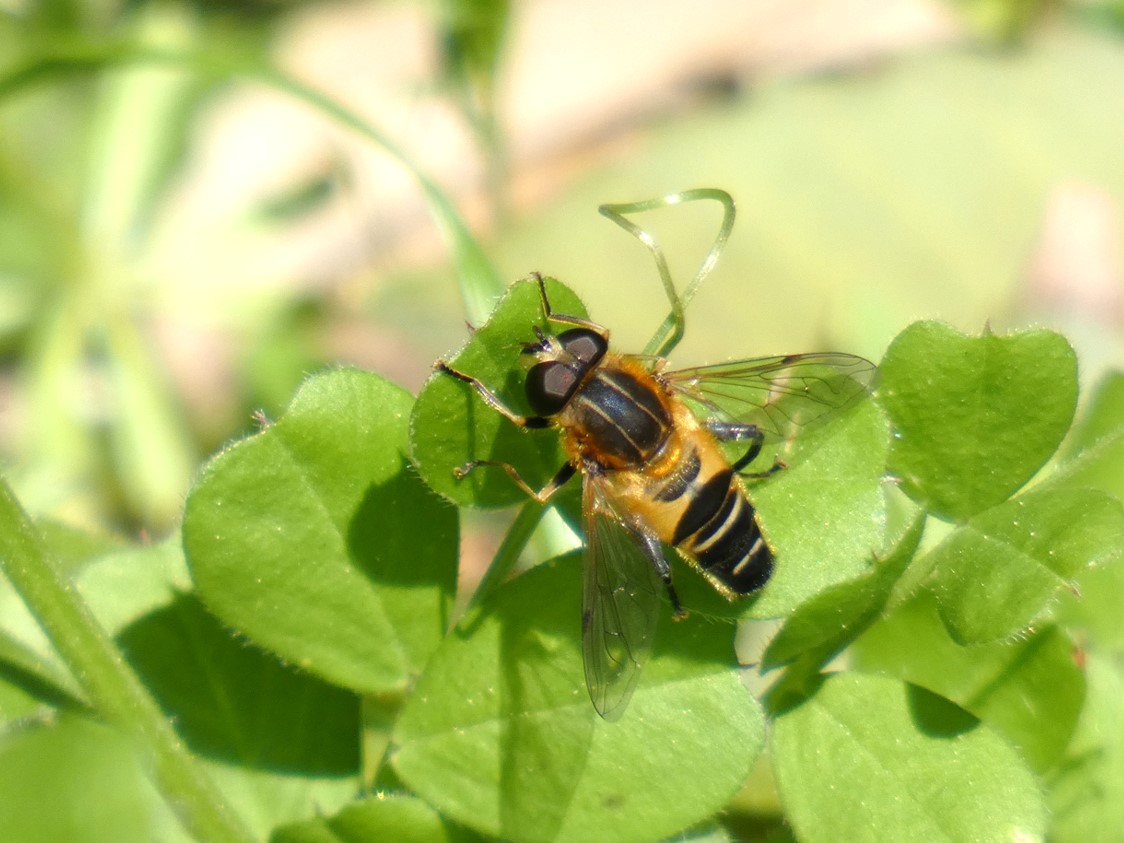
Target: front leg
x=492, y=400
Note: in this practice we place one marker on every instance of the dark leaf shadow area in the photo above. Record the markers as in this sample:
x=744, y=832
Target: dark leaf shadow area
x=937, y=717
x=388, y=554
x=237, y=703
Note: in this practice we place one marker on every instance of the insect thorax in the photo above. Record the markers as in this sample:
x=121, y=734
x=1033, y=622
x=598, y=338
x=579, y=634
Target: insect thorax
x=620, y=418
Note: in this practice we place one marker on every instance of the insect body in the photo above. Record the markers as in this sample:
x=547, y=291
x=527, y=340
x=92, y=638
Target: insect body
x=660, y=471
x=647, y=444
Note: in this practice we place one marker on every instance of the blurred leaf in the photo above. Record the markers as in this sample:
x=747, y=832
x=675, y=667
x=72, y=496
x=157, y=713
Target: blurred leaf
x=1030, y=690
x=104, y=235
x=78, y=781
x=472, y=38
x=998, y=573
x=316, y=540
x=1094, y=453
x=1107, y=14
x=127, y=584
x=872, y=759
x=302, y=199
x=1005, y=21
x=402, y=819
x=500, y=733
x=1087, y=794
x=31, y=686
x=139, y=131
x=1094, y=458
x=119, y=583
x=153, y=454
x=974, y=417
x=74, y=547
x=289, y=345
x=1101, y=416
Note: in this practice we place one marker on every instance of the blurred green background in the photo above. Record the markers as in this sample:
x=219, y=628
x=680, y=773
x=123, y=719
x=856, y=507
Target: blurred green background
x=181, y=244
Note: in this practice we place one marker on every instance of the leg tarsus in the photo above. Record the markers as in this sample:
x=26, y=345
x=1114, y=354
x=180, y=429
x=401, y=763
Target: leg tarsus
x=778, y=465
x=542, y=495
x=563, y=318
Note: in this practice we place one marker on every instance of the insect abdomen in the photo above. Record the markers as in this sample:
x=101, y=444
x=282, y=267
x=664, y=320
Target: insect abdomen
x=719, y=531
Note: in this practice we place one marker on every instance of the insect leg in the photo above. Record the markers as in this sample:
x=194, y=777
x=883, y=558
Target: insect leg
x=737, y=432
x=542, y=495
x=492, y=400
x=563, y=318
x=651, y=547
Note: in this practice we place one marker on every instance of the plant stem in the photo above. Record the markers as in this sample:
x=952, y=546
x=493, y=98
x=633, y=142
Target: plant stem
x=112, y=688
x=508, y=554
x=380, y=712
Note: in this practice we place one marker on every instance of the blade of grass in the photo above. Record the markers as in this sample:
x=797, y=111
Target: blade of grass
x=479, y=280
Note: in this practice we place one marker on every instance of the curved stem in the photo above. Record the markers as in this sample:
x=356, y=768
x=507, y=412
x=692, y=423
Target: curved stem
x=670, y=331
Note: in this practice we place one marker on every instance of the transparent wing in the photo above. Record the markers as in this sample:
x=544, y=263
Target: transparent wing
x=620, y=604
x=780, y=395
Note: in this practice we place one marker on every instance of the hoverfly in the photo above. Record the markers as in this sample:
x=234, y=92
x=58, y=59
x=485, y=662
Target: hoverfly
x=647, y=442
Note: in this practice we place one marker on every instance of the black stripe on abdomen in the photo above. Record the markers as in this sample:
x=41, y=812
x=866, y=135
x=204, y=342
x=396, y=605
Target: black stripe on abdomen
x=703, y=506
x=681, y=478
x=720, y=532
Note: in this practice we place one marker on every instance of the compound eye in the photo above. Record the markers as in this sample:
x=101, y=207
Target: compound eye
x=549, y=386
x=585, y=345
